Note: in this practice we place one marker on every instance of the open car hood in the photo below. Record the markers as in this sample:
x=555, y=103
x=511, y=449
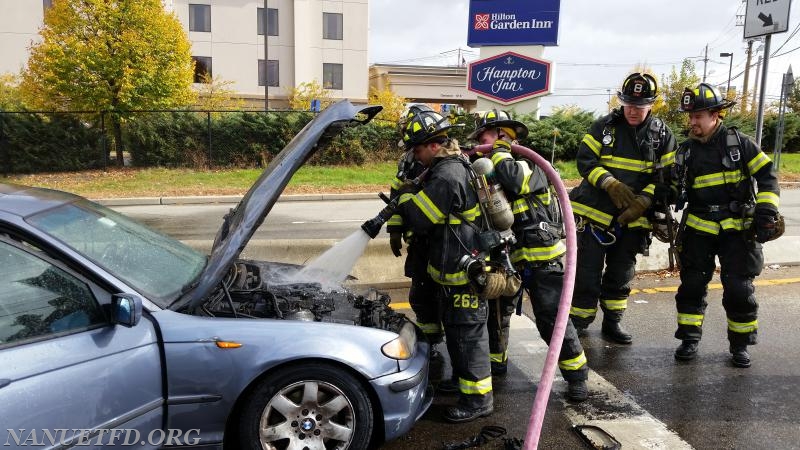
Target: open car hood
x=243, y=220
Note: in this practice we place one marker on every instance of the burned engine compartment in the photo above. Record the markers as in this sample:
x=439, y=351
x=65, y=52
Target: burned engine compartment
x=265, y=290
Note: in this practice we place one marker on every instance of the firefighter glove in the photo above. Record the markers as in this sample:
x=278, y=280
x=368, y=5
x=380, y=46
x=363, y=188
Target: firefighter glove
x=620, y=193
x=501, y=145
x=396, y=242
x=495, y=285
x=769, y=225
x=635, y=210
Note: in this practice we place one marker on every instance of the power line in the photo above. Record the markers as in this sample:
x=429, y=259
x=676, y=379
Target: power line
x=794, y=32
x=786, y=52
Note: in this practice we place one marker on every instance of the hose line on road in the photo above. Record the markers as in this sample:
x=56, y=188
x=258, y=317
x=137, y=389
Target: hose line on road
x=548, y=372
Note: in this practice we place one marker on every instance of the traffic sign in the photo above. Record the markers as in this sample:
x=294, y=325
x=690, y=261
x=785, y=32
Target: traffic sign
x=509, y=77
x=766, y=17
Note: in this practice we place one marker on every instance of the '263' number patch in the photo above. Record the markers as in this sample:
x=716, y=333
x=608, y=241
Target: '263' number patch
x=465, y=301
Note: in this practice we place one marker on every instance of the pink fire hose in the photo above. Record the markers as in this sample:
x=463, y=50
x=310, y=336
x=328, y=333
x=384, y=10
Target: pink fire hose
x=550, y=363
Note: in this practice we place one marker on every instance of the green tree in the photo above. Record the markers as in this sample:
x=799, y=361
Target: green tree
x=672, y=89
x=793, y=102
x=569, y=123
x=116, y=55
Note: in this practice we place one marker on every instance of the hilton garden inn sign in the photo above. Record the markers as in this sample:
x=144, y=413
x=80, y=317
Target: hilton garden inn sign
x=513, y=22
x=509, y=77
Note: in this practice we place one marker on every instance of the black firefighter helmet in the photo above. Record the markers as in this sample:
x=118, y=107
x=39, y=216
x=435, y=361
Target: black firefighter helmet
x=498, y=119
x=424, y=127
x=703, y=97
x=639, y=89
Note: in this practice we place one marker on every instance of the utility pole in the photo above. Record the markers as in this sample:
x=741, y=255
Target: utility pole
x=743, y=107
x=755, y=87
x=762, y=94
x=705, y=62
x=730, y=68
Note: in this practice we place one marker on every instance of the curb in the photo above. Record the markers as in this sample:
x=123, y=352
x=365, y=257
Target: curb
x=225, y=199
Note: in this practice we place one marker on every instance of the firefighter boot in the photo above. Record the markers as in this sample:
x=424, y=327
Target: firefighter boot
x=613, y=331
x=739, y=356
x=448, y=386
x=499, y=368
x=686, y=351
x=461, y=414
x=577, y=391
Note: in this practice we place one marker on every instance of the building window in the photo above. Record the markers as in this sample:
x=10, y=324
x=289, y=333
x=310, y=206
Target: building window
x=332, y=26
x=200, y=18
x=271, y=72
x=332, y=76
x=202, y=69
x=272, y=21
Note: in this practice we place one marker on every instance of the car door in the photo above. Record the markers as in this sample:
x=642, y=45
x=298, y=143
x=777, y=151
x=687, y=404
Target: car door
x=63, y=366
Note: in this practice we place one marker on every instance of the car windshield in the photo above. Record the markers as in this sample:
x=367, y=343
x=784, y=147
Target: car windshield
x=157, y=266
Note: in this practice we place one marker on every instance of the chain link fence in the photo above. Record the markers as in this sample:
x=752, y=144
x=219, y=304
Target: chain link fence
x=53, y=141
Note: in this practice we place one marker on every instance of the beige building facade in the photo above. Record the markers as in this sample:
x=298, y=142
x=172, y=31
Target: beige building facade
x=434, y=85
x=307, y=40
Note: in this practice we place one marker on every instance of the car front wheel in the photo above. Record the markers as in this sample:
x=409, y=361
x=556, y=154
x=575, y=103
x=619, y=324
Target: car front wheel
x=308, y=407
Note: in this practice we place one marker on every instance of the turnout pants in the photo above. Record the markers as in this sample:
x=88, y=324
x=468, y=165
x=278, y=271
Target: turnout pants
x=464, y=321
x=611, y=286
x=741, y=261
x=543, y=283
x=423, y=294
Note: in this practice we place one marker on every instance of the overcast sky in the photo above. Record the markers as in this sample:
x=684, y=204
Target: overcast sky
x=600, y=42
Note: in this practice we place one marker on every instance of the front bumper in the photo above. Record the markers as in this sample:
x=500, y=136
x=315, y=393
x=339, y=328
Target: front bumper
x=405, y=396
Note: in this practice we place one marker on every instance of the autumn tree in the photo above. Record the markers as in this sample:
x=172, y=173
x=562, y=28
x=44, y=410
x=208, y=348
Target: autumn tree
x=215, y=94
x=115, y=55
x=393, y=104
x=672, y=89
x=300, y=97
x=10, y=97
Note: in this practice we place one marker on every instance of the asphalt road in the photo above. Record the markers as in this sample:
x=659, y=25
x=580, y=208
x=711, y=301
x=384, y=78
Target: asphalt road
x=316, y=219
x=287, y=220
x=642, y=395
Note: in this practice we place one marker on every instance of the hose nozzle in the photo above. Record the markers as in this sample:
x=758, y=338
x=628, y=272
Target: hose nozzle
x=373, y=226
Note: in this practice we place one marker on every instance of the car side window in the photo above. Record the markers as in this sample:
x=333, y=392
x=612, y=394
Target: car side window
x=39, y=299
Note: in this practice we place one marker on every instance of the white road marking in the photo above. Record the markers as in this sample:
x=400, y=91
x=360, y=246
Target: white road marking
x=607, y=407
x=301, y=222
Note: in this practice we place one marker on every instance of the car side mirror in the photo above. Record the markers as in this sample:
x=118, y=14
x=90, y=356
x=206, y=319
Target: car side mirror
x=126, y=309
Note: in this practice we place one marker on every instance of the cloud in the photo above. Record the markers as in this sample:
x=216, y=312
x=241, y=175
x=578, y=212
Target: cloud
x=600, y=42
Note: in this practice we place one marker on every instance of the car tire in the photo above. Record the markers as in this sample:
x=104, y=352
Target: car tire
x=309, y=406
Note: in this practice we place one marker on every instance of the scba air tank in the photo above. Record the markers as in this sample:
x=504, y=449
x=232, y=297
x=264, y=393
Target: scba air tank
x=491, y=195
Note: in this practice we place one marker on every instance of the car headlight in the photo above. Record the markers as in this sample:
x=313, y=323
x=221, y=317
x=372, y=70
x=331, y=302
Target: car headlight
x=403, y=346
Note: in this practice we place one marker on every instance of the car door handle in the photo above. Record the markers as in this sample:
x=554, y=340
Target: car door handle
x=4, y=382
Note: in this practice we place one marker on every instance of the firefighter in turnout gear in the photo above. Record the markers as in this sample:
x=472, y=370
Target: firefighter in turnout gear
x=423, y=292
x=619, y=160
x=446, y=209
x=536, y=254
x=714, y=174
